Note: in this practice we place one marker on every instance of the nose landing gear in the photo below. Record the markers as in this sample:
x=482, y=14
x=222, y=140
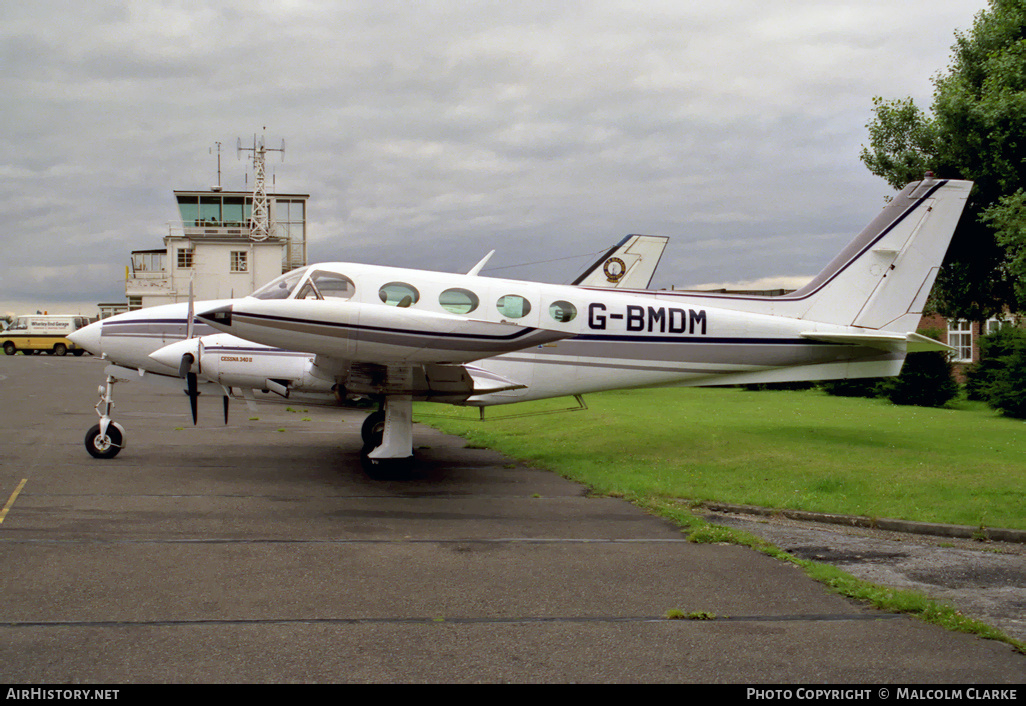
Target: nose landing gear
x=106, y=439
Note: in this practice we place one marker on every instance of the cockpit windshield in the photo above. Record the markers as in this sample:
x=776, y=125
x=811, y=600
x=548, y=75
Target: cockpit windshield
x=281, y=287
x=327, y=285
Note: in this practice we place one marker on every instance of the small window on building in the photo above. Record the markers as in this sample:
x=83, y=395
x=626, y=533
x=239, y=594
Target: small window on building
x=563, y=312
x=399, y=294
x=240, y=261
x=513, y=306
x=184, y=257
x=458, y=301
x=960, y=337
x=134, y=303
x=996, y=324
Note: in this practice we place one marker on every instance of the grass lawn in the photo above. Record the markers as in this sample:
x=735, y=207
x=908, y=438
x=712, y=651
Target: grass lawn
x=805, y=450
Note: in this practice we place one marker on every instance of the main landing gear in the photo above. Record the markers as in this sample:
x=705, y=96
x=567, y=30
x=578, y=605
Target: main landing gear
x=388, y=438
x=106, y=439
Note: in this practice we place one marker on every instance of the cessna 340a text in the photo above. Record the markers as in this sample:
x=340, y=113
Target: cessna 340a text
x=399, y=335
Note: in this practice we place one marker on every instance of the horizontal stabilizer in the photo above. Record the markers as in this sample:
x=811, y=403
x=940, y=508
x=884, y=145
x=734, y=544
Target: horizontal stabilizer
x=910, y=342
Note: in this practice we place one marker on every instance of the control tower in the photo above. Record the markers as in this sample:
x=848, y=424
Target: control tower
x=221, y=243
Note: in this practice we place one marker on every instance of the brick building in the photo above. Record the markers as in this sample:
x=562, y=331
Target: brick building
x=963, y=336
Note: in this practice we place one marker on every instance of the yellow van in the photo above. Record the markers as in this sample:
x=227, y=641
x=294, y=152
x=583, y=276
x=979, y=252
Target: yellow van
x=42, y=333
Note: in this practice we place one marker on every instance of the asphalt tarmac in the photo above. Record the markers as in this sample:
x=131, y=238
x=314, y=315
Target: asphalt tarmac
x=261, y=552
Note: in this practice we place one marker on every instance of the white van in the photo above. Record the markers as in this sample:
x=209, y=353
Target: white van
x=42, y=333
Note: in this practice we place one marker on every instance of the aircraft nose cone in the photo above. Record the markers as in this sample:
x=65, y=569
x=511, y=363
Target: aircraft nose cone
x=88, y=337
x=220, y=318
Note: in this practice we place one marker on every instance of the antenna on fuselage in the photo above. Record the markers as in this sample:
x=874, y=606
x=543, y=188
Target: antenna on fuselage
x=477, y=268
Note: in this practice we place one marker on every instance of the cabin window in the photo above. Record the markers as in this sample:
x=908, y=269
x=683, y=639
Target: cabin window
x=399, y=294
x=563, y=312
x=513, y=306
x=458, y=301
x=327, y=285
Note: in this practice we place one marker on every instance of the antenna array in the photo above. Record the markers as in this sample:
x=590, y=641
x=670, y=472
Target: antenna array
x=259, y=219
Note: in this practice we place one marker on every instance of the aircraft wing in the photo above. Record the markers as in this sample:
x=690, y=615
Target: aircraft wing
x=356, y=331
x=439, y=382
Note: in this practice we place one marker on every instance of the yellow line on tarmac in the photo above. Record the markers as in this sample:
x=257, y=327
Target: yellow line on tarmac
x=10, y=502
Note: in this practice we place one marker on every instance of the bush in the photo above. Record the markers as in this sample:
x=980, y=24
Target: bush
x=857, y=387
x=798, y=385
x=926, y=380
x=1000, y=377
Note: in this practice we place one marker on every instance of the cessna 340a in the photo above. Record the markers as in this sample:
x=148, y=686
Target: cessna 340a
x=147, y=344
x=400, y=335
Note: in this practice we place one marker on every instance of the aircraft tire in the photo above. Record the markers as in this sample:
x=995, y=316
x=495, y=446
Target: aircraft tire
x=373, y=429
x=387, y=468
x=100, y=447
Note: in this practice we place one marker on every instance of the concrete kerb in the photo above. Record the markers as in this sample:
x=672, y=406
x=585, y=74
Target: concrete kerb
x=882, y=523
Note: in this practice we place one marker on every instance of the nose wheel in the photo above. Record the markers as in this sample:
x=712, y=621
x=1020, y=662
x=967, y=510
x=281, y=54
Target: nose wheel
x=105, y=445
x=106, y=439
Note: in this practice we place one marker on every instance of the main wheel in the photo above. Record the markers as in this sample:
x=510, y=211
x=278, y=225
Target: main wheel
x=60, y=349
x=386, y=468
x=10, y=348
x=100, y=446
x=373, y=429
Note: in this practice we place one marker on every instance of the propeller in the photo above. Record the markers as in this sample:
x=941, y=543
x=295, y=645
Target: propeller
x=188, y=359
x=192, y=383
x=192, y=358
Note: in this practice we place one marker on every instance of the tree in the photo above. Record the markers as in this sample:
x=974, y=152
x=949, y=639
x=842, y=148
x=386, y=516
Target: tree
x=1000, y=376
x=976, y=130
x=926, y=380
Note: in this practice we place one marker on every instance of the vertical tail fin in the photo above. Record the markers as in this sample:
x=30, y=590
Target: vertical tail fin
x=882, y=278
x=630, y=264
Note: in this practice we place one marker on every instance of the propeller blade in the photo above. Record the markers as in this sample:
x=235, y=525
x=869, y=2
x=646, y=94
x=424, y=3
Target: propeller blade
x=183, y=367
x=192, y=313
x=224, y=399
x=193, y=383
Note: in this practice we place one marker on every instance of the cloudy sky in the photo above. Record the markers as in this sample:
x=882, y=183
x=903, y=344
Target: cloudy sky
x=428, y=133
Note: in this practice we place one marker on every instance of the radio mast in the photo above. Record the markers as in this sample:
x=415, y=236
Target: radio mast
x=260, y=217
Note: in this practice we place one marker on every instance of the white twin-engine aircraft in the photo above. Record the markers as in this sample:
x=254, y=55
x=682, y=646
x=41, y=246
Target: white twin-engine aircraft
x=222, y=364
x=400, y=335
